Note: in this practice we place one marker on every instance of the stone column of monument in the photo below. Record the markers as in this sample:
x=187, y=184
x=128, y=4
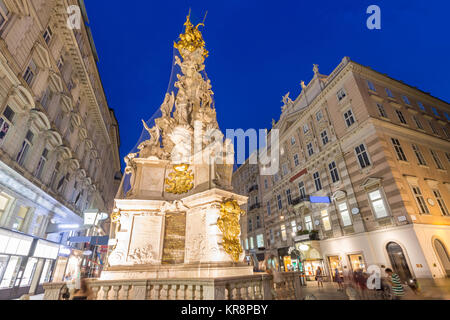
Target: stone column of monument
x=180, y=219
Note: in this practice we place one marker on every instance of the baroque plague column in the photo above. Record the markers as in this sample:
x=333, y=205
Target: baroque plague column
x=180, y=219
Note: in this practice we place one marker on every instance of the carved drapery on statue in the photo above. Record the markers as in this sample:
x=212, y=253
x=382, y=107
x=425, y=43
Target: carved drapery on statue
x=228, y=224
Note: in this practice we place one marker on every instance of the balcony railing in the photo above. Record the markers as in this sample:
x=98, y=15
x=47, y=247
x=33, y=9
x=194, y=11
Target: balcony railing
x=254, y=206
x=252, y=188
x=299, y=200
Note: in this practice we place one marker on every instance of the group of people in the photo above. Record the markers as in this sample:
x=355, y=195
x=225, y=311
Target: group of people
x=358, y=282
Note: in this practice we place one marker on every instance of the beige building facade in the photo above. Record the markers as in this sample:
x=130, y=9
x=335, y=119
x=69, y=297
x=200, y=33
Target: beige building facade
x=59, y=139
x=363, y=178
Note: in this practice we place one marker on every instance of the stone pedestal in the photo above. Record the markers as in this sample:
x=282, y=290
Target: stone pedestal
x=172, y=239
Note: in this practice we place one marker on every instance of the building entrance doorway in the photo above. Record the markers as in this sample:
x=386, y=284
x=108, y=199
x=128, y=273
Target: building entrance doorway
x=398, y=261
x=442, y=253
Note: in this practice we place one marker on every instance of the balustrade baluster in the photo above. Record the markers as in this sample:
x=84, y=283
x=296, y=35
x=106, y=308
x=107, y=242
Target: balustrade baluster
x=116, y=290
x=95, y=290
x=106, y=292
x=156, y=289
x=126, y=291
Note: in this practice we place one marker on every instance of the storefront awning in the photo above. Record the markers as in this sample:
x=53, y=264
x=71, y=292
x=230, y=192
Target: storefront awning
x=96, y=241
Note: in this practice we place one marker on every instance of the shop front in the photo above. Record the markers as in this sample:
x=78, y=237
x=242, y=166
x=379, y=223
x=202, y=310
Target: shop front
x=311, y=259
x=21, y=272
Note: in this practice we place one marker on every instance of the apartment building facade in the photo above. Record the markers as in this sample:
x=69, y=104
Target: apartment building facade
x=59, y=141
x=363, y=178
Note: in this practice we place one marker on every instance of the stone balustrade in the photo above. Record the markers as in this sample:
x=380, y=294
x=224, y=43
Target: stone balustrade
x=280, y=286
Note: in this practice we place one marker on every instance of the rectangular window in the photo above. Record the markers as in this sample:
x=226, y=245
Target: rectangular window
x=436, y=159
x=406, y=100
x=448, y=156
x=260, y=241
x=362, y=156
x=250, y=225
x=296, y=161
x=345, y=214
x=48, y=35
x=26, y=144
x=268, y=208
x=41, y=164
x=446, y=133
x=440, y=202
x=19, y=219
x=333, y=171
x=289, y=196
x=371, y=86
x=258, y=222
x=285, y=169
x=30, y=73
x=292, y=141
x=324, y=137
x=302, y=190
x=55, y=174
x=381, y=110
x=294, y=228
x=433, y=128
x=45, y=98
x=252, y=244
x=60, y=63
x=325, y=220
x=283, y=232
x=246, y=244
x=4, y=202
x=10, y=272
x=349, y=119
x=28, y=272
x=400, y=116
x=389, y=93
x=420, y=201
x=378, y=205
x=317, y=182
x=5, y=123
x=308, y=223
x=271, y=237
x=418, y=123
x=341, y=94
x=4, y=12
x=419, y=155
x=398, y=149
x=280, y=204
x=310, y=149
x=266, y=184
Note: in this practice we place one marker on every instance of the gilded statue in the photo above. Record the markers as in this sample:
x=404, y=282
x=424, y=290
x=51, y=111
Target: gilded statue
x=181, y=180
x=191, y=39
x=228, y=224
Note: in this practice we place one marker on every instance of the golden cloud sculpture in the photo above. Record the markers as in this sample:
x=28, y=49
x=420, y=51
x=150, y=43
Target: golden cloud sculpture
x=228, y=224
x=181, y=180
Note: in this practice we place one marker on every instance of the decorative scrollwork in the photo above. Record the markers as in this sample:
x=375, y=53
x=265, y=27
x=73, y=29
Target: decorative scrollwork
x=181, y=180
x=228, y=224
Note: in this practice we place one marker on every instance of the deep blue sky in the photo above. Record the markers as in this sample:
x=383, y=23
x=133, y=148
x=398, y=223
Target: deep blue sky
x=260, y=50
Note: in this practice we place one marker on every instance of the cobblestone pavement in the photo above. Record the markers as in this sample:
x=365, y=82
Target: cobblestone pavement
x=429, y=291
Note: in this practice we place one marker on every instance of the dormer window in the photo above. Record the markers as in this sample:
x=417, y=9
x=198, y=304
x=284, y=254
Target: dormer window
x=389, y=93
x=341, y=94
x=30, y=73
x=405, y=99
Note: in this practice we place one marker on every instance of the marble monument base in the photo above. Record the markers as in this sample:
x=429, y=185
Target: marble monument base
x=181, y=271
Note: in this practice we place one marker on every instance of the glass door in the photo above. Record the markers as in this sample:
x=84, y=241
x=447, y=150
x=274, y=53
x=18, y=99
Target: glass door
x=11, y=273
x=398, y=261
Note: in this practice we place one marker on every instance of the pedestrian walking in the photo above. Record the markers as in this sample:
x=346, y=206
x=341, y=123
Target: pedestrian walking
x=84, y=293
x=319, y=277
x=338, y=279
x=396, y=285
